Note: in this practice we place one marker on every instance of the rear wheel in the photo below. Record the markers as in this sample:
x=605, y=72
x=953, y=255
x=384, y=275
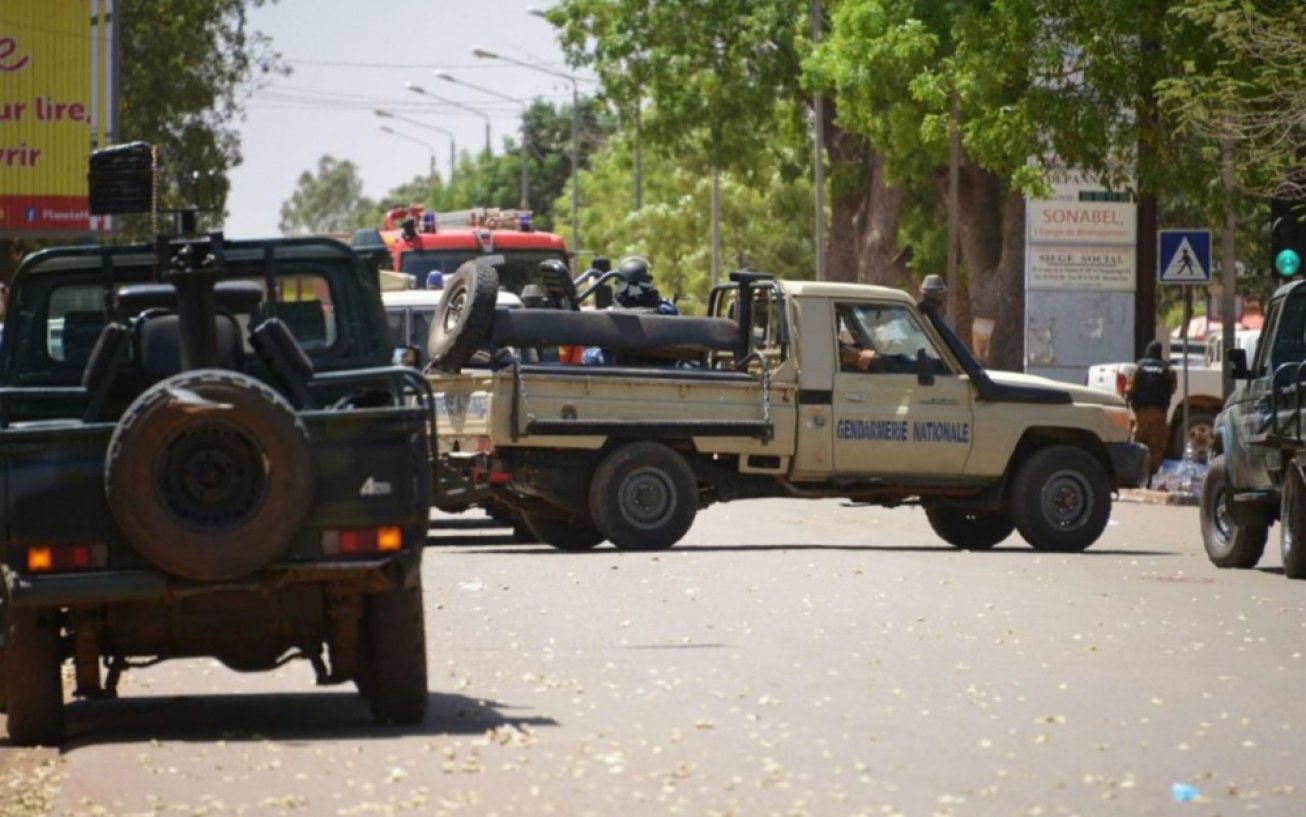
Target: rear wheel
x=1060, y=499
x=1292, y=523
x=33, y=684
x=393, y=678
x=1228, y=543
x=573, y=535
x=644, y=496
x=969, y=530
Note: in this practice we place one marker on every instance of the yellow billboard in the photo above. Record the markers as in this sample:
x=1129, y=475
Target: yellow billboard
x=55, y=98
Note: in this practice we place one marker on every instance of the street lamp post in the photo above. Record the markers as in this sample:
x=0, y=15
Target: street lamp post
x=453, y=150
x=403, y=135
x=525, y=173
x=575, y=121
x=417, y=89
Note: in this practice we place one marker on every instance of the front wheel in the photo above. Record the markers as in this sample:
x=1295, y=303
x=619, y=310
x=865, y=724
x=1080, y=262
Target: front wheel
x=1060, y=499
x=969, y=530
x=1228, y=543
x=1292, y=523
x=33, y=684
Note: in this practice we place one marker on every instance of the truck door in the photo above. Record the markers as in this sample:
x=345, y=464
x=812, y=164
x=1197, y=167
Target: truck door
x=888, y=418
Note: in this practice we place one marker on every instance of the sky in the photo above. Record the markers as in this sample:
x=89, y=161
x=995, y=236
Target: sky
x=350, y=58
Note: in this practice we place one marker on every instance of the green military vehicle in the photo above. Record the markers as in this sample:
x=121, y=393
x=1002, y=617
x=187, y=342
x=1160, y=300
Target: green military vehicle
x=786, y=389
x=1255, y=476
x=205, y=451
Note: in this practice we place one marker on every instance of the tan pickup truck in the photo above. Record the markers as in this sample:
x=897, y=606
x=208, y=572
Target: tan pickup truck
x=787, y=389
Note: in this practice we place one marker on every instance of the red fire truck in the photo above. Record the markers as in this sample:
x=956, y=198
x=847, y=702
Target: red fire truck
x=426, y=246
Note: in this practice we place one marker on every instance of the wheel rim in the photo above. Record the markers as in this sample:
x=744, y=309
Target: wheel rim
x=1066, y=500
x=454, y=313
x=211, y=476
x=647, y=498
x=1288, y=516
x=1221, y=523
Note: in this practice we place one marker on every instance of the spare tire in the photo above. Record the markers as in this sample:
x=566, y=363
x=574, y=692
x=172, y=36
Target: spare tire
x=209, y=474
x=464, y=316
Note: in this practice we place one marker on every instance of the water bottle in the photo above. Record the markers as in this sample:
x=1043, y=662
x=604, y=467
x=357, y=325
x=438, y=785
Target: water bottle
x=1187, y=470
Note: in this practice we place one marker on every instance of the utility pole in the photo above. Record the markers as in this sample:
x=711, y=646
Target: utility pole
x=1229, y=258
x=818, y=155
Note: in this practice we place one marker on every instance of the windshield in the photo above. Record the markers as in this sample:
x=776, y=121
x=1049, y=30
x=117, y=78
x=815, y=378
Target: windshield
x=519, y=268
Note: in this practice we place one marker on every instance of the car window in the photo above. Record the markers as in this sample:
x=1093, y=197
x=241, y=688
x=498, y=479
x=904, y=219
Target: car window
x=892, y=332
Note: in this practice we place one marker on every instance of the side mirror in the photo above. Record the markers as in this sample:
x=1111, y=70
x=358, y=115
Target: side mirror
x=924, y=371
x=1236, y=361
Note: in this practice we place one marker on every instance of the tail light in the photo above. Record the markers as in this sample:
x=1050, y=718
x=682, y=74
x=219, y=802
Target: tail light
x=65, y=558
x=353, y=541
x=1122, y=383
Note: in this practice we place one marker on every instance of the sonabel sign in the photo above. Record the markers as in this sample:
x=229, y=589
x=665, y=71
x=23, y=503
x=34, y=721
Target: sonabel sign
x=1076, y=213
x=49, y=50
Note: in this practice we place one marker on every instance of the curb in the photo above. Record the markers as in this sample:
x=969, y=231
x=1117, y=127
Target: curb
x=1148, y=496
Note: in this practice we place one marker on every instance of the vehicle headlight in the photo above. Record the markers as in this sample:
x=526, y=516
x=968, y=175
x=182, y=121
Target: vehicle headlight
x=1122, y=417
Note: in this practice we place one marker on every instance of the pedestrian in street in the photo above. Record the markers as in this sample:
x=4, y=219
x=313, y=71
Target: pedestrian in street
x=1151, y=385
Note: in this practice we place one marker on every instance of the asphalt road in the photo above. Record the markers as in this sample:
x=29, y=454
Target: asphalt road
x=789, y=658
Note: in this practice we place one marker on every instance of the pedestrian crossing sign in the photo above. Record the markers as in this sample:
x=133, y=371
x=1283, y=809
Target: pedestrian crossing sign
x=1183, y=256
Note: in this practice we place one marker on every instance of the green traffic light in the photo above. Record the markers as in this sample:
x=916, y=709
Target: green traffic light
x=1287, y=263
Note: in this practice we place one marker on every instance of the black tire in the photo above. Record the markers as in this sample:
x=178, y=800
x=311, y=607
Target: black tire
x=1061, y=499
x=1201, y=433
x=464, y=316
x=573, y=535
x=1292, y=523
x=392, y=675
x=521, y=532
x=1229, y=544
x=209, y=473
x=33, y=683
x=969, y=530
x=643, y=496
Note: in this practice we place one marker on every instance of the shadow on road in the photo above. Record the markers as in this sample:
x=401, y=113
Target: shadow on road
x=305, y=717
x=445, y=539
x=1009, y=550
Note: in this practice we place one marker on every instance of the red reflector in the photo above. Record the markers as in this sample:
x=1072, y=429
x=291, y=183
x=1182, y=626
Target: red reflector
x=352, y=540
x=500, y=477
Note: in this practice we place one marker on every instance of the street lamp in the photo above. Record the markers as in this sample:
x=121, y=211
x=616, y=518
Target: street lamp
x=525, y=173
x=417, y=89
x=424, y=144
x=453, y=151
x=575, y=118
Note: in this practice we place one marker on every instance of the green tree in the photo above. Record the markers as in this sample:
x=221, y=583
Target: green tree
x=758, y=227
x=187, y=68
x=331, y=201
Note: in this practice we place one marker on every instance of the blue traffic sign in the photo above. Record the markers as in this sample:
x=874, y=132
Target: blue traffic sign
x=1183, y=256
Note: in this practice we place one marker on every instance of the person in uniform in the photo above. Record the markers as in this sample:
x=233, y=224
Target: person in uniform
x=1151, y=385
x=634, y=290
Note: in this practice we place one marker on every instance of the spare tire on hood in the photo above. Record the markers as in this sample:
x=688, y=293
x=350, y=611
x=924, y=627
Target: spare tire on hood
x=209, y=474
x=464, y=316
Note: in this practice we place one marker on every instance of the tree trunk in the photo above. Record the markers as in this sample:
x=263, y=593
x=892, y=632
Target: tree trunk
x=991, y=230
x=865, y=211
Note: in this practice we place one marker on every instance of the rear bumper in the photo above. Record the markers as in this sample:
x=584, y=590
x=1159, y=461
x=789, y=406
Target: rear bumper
x=1129, y=462
x=107, y=587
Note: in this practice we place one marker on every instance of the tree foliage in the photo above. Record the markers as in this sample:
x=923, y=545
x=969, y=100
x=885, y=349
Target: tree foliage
x=187, y=68
x=330, y=201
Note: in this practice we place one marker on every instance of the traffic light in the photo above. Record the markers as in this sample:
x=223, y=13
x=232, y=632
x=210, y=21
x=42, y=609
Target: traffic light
x=1287, y=236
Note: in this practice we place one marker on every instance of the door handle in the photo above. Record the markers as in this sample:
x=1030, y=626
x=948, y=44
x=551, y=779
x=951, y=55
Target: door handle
x=854, y=397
